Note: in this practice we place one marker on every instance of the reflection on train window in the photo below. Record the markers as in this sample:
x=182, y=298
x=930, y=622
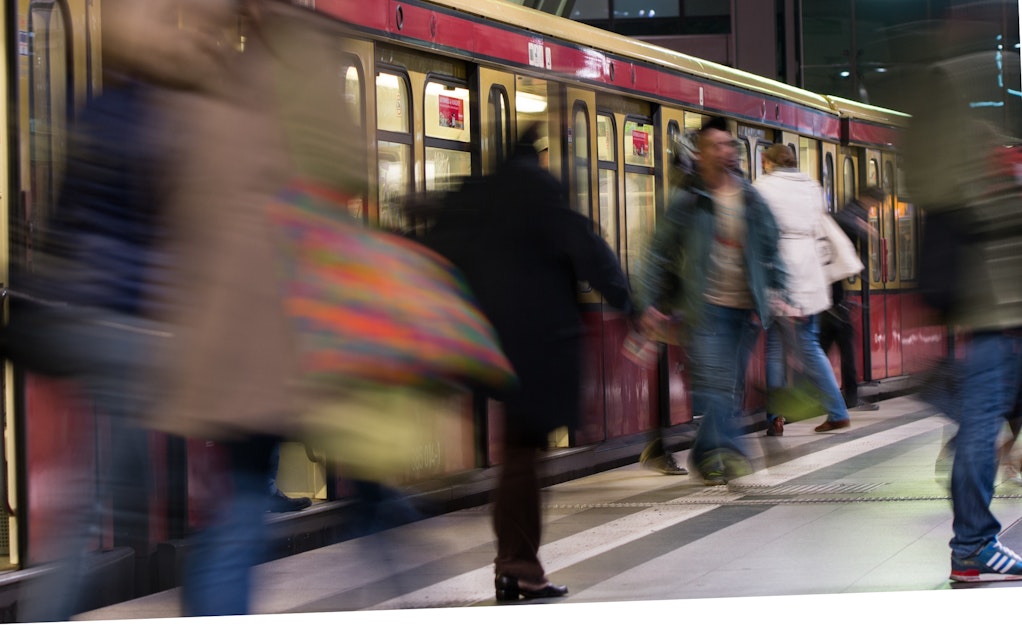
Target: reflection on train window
x=394, y=147
x=395, y=181
x=581, y=180
x=500, y=133
x=49, y=98
x=827, y=180
x=640, y=185
x=447, y=113
x=606, y=144
x=890, y=235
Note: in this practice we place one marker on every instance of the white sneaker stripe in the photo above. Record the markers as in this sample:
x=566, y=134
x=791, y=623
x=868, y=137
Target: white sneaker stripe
x=996, y=561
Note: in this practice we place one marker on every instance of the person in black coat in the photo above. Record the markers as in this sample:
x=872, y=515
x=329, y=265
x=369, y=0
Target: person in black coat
x=523, y=251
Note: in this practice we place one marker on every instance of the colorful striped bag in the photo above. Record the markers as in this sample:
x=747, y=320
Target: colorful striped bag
x=375, y=308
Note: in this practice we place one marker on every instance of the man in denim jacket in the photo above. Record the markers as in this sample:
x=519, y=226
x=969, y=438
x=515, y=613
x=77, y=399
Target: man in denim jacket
x=714, y=261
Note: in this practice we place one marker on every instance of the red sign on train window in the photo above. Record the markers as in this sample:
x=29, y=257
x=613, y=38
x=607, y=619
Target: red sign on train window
x=640, y=143
x=452, y=112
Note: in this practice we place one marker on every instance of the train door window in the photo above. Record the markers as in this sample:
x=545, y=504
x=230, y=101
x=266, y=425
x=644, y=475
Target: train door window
x=675, y=175
x=827, y=180
x=890, y=229
x=745, y=157
x=872, y=176
x=500, y=133
x=640, y=185
x=795, y=152
x=447, y=111
x=48, y=105
x=582, y=180
x=531, y=103
x=847, y=181
x=761, y=148
x=606, y=155
x=394, y=145
x=352, y=96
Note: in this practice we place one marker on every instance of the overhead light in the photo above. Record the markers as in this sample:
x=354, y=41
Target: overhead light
x=845, y=74
x=881, y=70
x=529, y=103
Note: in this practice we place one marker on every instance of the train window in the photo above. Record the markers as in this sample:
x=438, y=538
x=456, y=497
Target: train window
x=675, y=176
x=640, y=185
x=500, y=134
x=448, y=134
x=49, y=112
x=351, y=89
x=827, y=180
x=582, y=180
x=606, y=143
x=394, y=146
x=873, y=173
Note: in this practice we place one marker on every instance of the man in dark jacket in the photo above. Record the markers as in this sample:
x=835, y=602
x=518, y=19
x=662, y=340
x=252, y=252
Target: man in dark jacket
x=836, y=323
x=523, y=251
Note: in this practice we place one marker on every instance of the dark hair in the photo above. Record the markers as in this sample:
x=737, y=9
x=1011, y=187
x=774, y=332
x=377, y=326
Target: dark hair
x=873, y=192
x=717, y=122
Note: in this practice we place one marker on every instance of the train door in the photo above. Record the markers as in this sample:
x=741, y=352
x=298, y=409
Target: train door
x=857, y=289
x=884, y=298
x=8, y=553
x=497, y=104
x=580, y=167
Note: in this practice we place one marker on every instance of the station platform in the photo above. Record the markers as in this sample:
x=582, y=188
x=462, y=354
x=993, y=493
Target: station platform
x=860, y=510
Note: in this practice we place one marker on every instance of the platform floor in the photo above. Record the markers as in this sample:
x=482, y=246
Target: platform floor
x=854, y=511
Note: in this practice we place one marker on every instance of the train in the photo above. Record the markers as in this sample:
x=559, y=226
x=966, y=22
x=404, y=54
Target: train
x=442, y=88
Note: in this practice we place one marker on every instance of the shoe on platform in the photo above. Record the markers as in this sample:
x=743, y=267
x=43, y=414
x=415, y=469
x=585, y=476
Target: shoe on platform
x=993, y=563
x=665, y=464
x=832, y=425
x=509, y=589
x=776, y=427
x=280, y=502
x=865, y=406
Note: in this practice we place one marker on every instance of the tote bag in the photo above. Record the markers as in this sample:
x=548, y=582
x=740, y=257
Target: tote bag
x=372, y=307
x=837, y=252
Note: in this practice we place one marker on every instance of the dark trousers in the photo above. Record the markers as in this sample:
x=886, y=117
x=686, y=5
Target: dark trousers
x=836, y=326
x=516, y=512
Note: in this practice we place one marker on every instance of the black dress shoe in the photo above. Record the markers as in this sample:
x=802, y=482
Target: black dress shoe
x=508, y=589
x=280, y=502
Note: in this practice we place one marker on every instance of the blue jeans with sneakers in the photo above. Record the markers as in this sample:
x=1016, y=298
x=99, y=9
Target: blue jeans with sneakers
x=816, y=366
x=990, y=379
x=719, y=353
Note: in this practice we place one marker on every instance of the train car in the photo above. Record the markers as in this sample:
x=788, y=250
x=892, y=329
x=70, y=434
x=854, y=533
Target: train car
x=442, y=89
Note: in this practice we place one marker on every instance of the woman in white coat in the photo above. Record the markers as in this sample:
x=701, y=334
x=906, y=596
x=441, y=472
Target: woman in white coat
x=797, y=202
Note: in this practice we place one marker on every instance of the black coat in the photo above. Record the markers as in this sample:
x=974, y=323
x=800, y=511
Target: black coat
x=523, y=252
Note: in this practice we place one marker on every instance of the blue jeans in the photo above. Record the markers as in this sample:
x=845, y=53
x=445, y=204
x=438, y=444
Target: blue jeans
x=719, y=353
x=815, y=365
x=989, y=376
x=218, y=569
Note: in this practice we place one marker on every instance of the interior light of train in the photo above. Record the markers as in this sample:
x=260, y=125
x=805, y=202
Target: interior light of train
x=529, y=103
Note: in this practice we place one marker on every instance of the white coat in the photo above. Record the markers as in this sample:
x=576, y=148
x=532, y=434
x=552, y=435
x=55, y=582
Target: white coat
x=797, y=203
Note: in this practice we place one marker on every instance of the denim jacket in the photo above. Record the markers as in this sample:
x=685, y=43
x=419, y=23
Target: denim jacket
x=677, y=261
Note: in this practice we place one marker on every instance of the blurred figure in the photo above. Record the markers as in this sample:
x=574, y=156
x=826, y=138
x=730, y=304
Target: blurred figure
x=714, y=260
x=836, y=323
x=970, y=268
x=523, y=250
x=798, y=205
x=280, y=502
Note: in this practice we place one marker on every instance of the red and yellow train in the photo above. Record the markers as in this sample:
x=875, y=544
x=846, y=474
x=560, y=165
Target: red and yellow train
x=443, y=86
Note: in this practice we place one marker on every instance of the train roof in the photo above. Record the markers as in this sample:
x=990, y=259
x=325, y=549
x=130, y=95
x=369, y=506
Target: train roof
x=581, y=34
